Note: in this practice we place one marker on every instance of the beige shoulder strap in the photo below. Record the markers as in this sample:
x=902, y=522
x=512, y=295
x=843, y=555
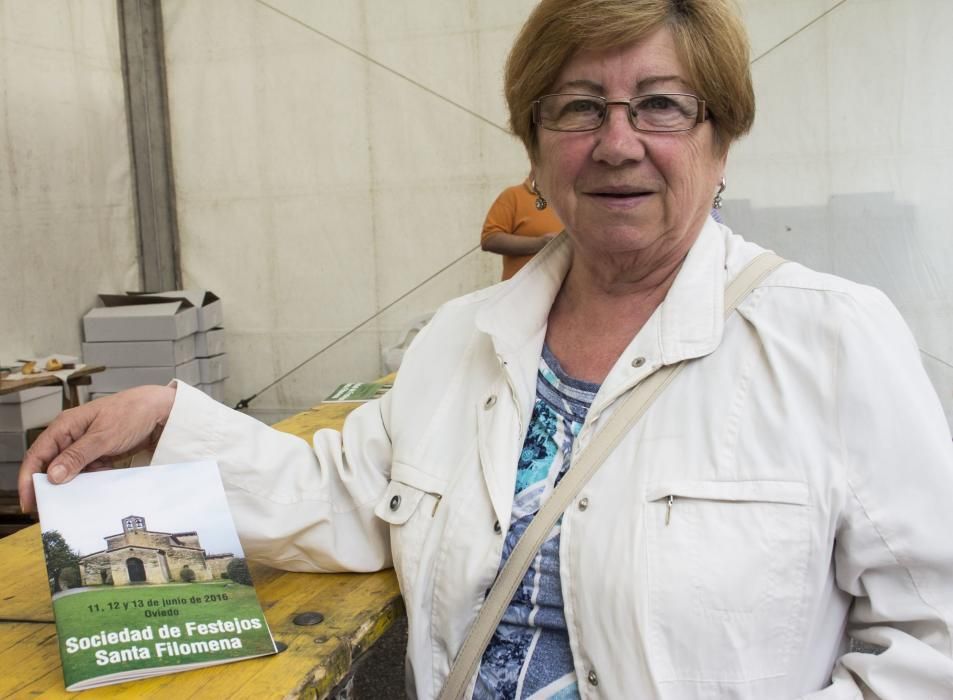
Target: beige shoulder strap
x=587, y=462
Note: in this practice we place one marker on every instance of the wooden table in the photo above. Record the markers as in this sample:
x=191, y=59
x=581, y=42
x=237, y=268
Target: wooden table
x=80, y=377
x=357, y=609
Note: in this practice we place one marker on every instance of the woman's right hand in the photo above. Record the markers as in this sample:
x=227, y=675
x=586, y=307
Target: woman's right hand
x=91, y=435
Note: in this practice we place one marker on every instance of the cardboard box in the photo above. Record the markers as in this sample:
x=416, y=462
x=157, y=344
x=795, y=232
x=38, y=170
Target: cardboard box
x=139, y=318
x=208, y=305
x=144, y=353
x=212, y=369
x=214, y=389
x=9, y=472
x=119, y=378
x=12, y=446
x=208, y=343
x=30, y=408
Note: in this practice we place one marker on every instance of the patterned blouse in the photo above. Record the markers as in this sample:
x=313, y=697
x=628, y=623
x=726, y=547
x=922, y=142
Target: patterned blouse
x=529, y=655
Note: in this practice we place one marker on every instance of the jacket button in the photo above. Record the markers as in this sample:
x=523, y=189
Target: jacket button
x=490, y=402
x=638, y=362
x=496, y=528
x=395, y=503
x=583, y=503
x=593, y=678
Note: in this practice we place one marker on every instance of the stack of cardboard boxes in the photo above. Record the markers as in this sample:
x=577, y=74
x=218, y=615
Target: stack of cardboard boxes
x=22, y=415
x=155, y=338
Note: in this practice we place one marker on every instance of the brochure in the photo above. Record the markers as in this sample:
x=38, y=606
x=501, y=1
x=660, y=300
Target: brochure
x=358, y=391
x=146, y=574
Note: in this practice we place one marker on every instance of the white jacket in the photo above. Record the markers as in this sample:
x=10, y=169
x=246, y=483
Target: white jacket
x=809, y=462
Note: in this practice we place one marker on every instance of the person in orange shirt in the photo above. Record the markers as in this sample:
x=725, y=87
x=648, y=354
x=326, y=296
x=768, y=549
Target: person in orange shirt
x=518, y=225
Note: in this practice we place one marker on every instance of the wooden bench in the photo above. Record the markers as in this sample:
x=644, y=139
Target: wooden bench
x=357, y=608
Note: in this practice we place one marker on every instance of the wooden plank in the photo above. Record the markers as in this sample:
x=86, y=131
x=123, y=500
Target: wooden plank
x=141, y=42
x=26, y=650
x=24, y=591
x=327, y=415
x=80, y=376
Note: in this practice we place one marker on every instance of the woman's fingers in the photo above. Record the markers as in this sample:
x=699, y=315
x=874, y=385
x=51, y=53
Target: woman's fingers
x=104, y=428
x=72, y=460
x=51, y=443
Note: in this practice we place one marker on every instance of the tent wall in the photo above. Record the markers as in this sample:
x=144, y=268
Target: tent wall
x=330, y=156
x=67, y=223
x=848, y=167
x=315, y=186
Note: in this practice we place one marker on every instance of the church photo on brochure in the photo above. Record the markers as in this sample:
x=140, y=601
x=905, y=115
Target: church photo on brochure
x=139, y=555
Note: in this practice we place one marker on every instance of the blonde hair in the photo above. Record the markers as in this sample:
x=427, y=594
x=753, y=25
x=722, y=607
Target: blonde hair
x=710, y=40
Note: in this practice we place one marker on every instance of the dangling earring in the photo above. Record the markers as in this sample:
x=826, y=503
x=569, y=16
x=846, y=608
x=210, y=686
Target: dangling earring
x=540, y=200
x=718, y=200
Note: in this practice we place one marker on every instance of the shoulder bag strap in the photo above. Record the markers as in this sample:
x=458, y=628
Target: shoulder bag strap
x=587, y=462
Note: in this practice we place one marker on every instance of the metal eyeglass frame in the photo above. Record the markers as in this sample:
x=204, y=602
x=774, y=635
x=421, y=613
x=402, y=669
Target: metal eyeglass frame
x=701, y=117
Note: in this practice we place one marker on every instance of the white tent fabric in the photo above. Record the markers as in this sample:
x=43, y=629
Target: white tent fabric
x=329, y=156
x=67, y=222
x=848, y=167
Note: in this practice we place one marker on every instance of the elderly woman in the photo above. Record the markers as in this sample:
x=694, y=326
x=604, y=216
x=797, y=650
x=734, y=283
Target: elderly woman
x=788, y=490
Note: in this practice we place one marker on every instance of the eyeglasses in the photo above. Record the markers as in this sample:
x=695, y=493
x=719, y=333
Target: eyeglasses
x=656, y=113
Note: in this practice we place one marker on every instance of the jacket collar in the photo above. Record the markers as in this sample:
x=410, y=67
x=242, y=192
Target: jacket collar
x=691, y=318
x=687, y=324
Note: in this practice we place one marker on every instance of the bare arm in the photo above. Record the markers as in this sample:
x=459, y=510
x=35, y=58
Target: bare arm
x=511, y=244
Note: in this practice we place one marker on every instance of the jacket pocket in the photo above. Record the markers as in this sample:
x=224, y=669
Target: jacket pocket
x=727, y=565
x=408, y=505
x=408, y=487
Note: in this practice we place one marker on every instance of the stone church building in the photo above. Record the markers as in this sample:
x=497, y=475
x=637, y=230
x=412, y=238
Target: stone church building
x=139, y=555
